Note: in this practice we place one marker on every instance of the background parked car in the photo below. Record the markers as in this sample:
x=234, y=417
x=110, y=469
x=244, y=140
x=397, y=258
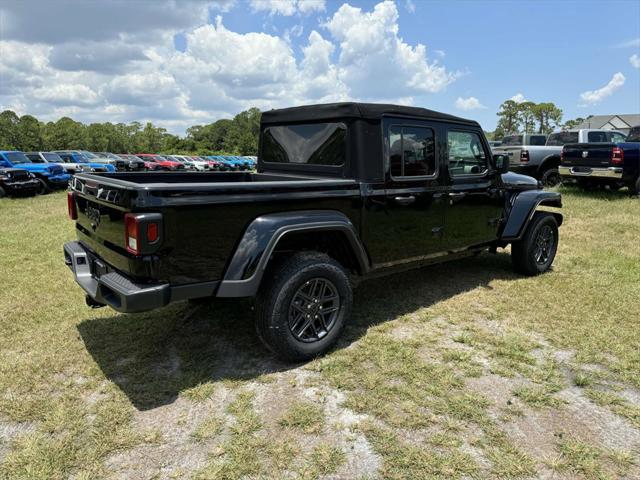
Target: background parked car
x=79, y=160
x=17, y=181
x=120, y=164
x=615, y=163
x=133, y=163
x=542, y=161
x=51, y=157
x=158, y=162
x=92, y=157
x=50, y=176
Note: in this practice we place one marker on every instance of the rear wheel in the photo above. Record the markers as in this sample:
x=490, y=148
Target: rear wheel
x=551, y=178
x=2, y=193
x=634, y=188
x=303, y=305
x=535, y=252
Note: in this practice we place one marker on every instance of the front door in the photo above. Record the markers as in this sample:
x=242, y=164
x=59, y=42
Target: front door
x=474, y=206
x=406, y=218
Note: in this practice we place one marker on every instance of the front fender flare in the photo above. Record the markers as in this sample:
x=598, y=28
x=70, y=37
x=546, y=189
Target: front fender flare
x=522, y=209
x=251, y=256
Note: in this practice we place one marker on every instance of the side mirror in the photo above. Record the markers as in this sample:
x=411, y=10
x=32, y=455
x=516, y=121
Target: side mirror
x=502, y=162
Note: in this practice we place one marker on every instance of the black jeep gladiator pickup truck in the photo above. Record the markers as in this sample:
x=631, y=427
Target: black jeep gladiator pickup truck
x=342, y=192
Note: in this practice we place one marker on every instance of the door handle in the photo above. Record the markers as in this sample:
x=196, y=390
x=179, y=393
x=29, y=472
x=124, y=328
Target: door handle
x=404, y=201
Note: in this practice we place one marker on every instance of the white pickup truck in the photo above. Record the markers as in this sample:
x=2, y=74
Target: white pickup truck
x=542, y=161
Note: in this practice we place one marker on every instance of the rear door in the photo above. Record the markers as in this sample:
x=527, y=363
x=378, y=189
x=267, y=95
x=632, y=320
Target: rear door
x=474, y=203
x=406, y=221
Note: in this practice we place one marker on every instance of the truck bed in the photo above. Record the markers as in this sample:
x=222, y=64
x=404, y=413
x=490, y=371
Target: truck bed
x=204, y=215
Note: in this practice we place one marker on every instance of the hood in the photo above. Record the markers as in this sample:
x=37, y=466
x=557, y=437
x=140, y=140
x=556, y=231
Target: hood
x=516, y=181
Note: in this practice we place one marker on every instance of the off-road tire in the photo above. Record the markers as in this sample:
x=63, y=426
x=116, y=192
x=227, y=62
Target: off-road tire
x=281, y=285
x=2, y=193
x=551, y=177
x=44, y=188
x=524, y=251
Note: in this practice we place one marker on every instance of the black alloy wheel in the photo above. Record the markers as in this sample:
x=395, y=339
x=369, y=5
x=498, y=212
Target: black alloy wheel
x=314, y=309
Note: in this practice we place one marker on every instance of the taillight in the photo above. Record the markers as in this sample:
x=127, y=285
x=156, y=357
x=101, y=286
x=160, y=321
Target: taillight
x=143, y=232
x=132, y=233
x=72, y=208
x=524, y=156
x=617, y=156
x=562, y=155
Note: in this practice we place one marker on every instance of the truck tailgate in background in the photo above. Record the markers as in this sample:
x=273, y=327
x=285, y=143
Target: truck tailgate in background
x=591, y=155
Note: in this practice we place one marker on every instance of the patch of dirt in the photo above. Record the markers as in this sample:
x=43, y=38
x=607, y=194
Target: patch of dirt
x=176, y=453
x=9, y=431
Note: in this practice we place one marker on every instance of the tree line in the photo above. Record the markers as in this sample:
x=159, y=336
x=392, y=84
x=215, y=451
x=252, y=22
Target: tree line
x=236, y=136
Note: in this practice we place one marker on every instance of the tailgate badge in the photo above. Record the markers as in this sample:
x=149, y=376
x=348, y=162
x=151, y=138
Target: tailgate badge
x=585, y=154
x=94, y=215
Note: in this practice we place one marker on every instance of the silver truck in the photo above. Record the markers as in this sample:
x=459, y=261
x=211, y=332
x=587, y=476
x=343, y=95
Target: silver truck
x=542, y=161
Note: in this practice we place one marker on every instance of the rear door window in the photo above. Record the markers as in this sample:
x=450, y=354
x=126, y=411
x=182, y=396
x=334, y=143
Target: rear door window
x=598, y=137
x=562, y=138
x=538, y=140
x=411, y=151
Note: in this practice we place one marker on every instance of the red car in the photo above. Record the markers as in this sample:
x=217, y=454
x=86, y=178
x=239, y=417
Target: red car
x=158, y=162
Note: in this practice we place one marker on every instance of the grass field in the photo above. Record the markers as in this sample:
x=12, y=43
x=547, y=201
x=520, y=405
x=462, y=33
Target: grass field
x=462, y=370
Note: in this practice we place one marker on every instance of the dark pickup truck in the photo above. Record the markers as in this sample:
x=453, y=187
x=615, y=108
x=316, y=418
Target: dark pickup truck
x=342, y=192
x=616, y=164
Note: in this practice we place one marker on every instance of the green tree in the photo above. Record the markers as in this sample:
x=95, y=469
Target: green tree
x=242, y=136
x=548, y=116
x=510, y=120
x=64, y=134
x=29, y=134
x=527, y=116
x=9, y=137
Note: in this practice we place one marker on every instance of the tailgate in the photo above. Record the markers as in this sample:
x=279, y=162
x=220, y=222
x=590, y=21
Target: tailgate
x=587, y=155
x=512, y=152
x=100, y=224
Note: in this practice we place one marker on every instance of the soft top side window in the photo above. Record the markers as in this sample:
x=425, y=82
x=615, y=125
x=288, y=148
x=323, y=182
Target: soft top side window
x=466, y=154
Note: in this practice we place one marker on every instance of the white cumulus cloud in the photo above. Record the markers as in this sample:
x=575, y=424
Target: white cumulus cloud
x=471, y=103
x=375, y=62
x=635, y=60
x=67, y=94
x=593, y=97
x=518, y=98
x=288, y=8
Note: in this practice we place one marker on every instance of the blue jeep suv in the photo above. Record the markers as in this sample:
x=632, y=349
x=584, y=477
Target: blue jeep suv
x=50, y=175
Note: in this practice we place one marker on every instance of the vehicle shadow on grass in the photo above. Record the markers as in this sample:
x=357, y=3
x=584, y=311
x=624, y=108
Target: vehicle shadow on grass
x=153, y=357
x=596, y=193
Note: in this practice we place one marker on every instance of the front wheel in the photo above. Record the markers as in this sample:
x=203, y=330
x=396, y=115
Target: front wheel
x=303, y=306
x=535, y=252
x=44, y=188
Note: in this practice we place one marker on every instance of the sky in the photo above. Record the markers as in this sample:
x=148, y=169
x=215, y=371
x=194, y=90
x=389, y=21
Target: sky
x=181, y=63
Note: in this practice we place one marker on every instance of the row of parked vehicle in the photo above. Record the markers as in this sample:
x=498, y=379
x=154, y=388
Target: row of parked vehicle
x=31, y=173
x=589, y=157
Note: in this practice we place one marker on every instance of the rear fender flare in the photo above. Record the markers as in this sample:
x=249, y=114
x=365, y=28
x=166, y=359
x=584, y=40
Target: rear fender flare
x=522, y=209
x=244, y=272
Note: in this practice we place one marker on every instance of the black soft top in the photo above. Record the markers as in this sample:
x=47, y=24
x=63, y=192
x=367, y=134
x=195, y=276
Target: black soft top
x=335, y=111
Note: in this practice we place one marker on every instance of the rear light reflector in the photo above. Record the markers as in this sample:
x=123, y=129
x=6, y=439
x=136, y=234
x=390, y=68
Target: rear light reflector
x=72, y=208
x=152, y=232
x=524, y=156
x=617, y=156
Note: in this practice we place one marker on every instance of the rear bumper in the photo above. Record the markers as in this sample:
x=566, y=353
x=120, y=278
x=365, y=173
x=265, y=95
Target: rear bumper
x=599, y=172
x=109, y=287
